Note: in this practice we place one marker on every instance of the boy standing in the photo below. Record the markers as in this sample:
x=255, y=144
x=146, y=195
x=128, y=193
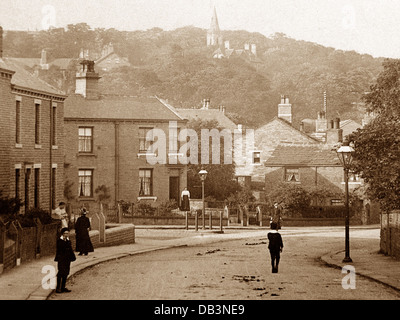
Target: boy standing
x=64, y=256
x=275, y=246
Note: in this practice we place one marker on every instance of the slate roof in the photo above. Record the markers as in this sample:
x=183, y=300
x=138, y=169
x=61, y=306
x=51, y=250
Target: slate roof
x=62, y=63
x=26, y=80
x=119, y=107
x=208, y=115
x=290, y=127
x=303, y=155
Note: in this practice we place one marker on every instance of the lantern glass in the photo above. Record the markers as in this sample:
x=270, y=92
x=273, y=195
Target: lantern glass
x=345, y=155
x=203, y=174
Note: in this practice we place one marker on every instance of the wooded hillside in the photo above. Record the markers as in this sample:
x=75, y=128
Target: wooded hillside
x=177, y=65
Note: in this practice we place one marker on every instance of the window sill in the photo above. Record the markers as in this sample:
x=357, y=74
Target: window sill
x=144, y=154
x=86, y=154
x=38, y=146
x=147, y=198
x=18, y=145
x=54, y=147
x=175, y=154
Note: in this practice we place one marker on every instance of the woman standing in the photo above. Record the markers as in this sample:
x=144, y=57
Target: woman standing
x=185, y=198
x=64, y=256
x=82, y=227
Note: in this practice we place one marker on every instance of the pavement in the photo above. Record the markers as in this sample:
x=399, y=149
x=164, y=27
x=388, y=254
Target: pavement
x=24, y=282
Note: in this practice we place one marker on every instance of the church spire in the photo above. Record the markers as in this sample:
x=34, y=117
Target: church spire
x=214, y=36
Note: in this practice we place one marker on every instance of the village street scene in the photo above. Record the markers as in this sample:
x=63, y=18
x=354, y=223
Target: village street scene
x=214, y=159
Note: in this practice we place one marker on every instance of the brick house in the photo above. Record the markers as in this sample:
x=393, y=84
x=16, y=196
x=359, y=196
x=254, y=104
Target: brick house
x=278, y=131
x=31, y=143
x=106, y=145
x=281, y=151
x=310, y=166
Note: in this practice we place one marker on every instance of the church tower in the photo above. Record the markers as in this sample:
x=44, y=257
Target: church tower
x=214, y=37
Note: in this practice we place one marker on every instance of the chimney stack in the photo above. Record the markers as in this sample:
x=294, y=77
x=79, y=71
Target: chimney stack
x=87, y=81
x=334, y=134
x=1, y=42
x=43, y=60
x=285, y=109
x=206, y=104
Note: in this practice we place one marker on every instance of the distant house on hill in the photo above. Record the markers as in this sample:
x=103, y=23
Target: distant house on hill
x=109, y=59
x=223, y=49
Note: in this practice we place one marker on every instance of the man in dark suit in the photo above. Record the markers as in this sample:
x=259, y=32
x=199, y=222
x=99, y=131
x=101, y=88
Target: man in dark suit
x=275, y=246
x=64, y=256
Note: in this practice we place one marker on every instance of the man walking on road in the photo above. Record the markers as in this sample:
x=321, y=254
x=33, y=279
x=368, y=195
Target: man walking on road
x=275, y=246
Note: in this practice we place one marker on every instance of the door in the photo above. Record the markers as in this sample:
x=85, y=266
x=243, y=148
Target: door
x=27, y=189
x=174, y=189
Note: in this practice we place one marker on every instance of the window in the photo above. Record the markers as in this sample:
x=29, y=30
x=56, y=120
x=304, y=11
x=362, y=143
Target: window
x=337, y=202
x=292, y=175
x=54, y=126
x=145, y=182
x=85, y=183
x=256, y=157
x=36, y=202
x=85, y=139
x=145, y=144
x=353, y=177
x=18, y=122
x=174, y=143
x=37, y=123
x=53, y=187
x=17, y=182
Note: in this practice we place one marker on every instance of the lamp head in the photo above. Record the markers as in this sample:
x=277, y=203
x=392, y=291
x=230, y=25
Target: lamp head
x=345, y=155
x=203, y=174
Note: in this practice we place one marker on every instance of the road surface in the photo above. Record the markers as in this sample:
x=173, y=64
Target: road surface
x=231, y=270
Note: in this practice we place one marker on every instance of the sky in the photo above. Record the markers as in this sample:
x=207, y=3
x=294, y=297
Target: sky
x=365, y=26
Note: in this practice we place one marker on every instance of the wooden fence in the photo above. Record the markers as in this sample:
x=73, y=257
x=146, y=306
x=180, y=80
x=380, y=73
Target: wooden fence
x=19, y=245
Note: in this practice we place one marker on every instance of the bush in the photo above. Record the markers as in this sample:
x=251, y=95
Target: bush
x=165, y=208
x=28, y=219
x=145, y=209
x=125, y=206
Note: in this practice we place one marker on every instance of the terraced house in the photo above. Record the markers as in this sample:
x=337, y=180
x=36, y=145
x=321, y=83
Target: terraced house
x=107, y=144
x=31, y=142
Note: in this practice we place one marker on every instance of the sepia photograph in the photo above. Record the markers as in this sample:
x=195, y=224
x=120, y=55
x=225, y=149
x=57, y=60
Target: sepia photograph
x=200, y=158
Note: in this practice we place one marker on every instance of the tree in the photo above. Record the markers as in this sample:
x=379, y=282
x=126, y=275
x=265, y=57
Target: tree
x=291, y=197
x=220, y=181
x=377, y=145
x=9, y=207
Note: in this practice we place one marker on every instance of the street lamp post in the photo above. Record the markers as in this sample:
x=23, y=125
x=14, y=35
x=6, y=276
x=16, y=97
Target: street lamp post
x=203, y=175
x=345, y=155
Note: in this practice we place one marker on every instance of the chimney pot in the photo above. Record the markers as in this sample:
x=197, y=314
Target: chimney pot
x=336, y=124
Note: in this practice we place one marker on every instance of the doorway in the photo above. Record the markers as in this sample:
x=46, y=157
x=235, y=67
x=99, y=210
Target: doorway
x=174, y=189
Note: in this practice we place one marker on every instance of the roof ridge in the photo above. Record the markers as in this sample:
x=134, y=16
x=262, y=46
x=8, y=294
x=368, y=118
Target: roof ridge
x=169, y=107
